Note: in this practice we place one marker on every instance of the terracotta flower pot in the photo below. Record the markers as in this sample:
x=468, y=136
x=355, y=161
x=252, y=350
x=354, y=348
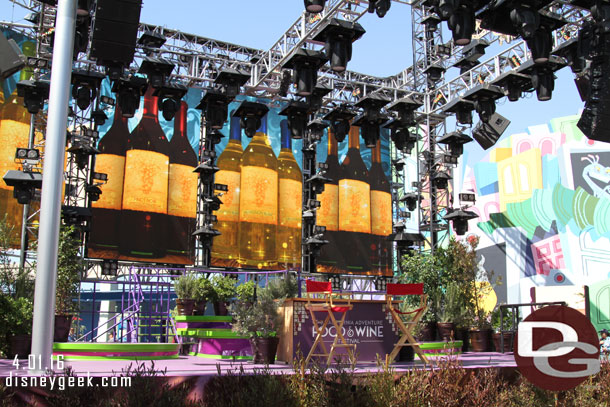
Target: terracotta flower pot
x=20, y=346
x=185, y=307
x=264, y=350
x=461, y=334
x=446, y=330
x=479, y=340
x=427, y=332
x=220, y=308
x=62, y=328
x=199, y=307
x=508, y=342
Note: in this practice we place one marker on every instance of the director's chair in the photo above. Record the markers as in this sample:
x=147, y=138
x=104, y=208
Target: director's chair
x=406, y=321
x=326, y=305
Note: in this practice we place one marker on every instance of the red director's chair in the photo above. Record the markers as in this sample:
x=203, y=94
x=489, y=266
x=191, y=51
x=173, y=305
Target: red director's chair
x=406, y=321
x=326, y=305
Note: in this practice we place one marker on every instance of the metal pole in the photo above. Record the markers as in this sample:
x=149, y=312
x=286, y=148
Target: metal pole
x=26, y=207
x=50, y=204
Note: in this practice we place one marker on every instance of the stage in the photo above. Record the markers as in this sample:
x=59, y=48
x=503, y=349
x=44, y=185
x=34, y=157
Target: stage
x=206, y=368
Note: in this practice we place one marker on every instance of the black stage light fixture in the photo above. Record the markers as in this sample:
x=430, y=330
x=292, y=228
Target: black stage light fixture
x=467, y=197
x=339, y=119
x=28, y=154
x=24, y=184
x=214, y=135
x=487, y=134
x=462, y=109
x=440, y=179
x=399, y=164
x=33, y=18
x=305, y=64
x=402, y=138
x=110, y=267
x=34, y=93
x=431, y=22
x=484, y=97
x=317, y=97
x=157, y=70
x=462, y=24
x=465, y=65
x=404, y=240
x=475, y=50
x=411, y=199
x=381, y=7
x=314, y=6
x=572, y=53
x=169, y=97
x=99, y=117
x=215, y=107
x=514, y=84
x=114, y=34
x=297, y=114
x=455, y=141
x=316, y=129
x=93, y=192
x=230, y=80
x=285, y=83
x=150, y=42
x=207, y=168
x=526, y=21
x=83, y=7
x=81, y=35
x=82, y=150
x=460, y=220
x=250, y=114
x=317, y=181
x=75, y=215
x=338, y=36
x=372, y=118
x=445, y=8
x=405, y=109
x=128, y=93
x=85, y=85
x=434, y=73
x=543, y=78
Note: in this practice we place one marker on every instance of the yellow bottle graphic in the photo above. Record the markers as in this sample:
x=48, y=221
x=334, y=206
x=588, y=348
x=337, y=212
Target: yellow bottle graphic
x=14, y=133
x=290, y=203
x=258, y=202
x=381, y=216
x=226, y=245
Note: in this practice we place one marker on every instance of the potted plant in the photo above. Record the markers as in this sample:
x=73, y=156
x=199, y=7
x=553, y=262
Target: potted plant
x=450, y=313
x=281, y=288
x=16, y=328
x=503, y=322
x=204, y=293
x=245, y=292
x=186, y=288
x=224, y=290
x=69, y=268
x=260, y=322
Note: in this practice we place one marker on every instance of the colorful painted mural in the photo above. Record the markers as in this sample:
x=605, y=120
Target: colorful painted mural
x=544, y=197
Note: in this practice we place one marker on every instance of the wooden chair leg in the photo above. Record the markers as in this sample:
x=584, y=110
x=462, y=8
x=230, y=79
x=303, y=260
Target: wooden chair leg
x=397, y=347
x=416, y=348
x=318, y=341
x=339, y=336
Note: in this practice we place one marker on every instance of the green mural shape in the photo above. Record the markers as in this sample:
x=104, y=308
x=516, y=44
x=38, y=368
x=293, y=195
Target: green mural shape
x=562, y=204
x=522, y=215
x=598, y=296
x=542, y=207
x=601, y=216
x=583, y=207
x=567, y=126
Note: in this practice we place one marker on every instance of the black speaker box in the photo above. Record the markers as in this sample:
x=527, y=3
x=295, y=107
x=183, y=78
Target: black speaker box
x=487, y=134
x=10, y=57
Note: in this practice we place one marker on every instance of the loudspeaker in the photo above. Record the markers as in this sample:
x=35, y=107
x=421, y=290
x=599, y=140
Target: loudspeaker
x=115, y=31
x=10, y=57
x=487, y=134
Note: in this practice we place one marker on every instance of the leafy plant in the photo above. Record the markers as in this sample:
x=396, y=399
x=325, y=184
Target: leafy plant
x=452, y=309
x=260, y=319
x=186, y=287
x=69, y=268
x=427, y=269
x=245, y=291
x=224, y=287
x=204, y=290
x=506, y=321
x=281, y=288
x=16, y=319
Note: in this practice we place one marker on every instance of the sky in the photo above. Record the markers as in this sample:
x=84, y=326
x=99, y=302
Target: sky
x=384, y=50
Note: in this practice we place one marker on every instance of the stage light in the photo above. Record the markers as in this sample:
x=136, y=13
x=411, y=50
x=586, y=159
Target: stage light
x=484, y=97
x=411, y=199
x=305, y=64
x=314, y=6
x=572, y=53
x=460, y=220
x=399, y=164
x=372, y=118
x=107, y=100
x=230, y=81
x=339, y=119
x=110, y=267
x=434, y=73
x=75, y=215
x=128, y=93
x=297, y=113
x=543, y=79
x=34, y=94
x=455, y=141
x=33, y=18
x=82, y=150
x=440, y=179
x=250, y=114
x=400, y=135
x=431, y=22
x=381, y=7
x=445, y=8
x=85, y=85
x=462, y=109
x=81, y=35
x=525, y=21
x=168, y=99
x=28, y=154
x=540, y=45
x=405, y=109
x=214, y=135
x=462, y=24
x=157, y=70
x=150, y=41
x=285, y=84
x=100, y=176
x=24, y=184
x=317, y=97
x=514, y=84
x=93, y=192
x=317, y=181
x=338, y=36
x=99, y=117
x=215, y=107
x=83, y=8
x=316, y=129
x=467, y=197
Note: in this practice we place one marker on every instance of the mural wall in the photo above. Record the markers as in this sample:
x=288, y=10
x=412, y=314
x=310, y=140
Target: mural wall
x=544, y=197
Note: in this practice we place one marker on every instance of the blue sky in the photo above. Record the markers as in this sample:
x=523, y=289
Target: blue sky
x=384, y=50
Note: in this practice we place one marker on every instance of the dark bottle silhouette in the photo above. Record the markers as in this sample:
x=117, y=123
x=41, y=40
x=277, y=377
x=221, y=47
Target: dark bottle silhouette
x=144, y=214
x=182, y=190
x=106, y=212
x=381, y=216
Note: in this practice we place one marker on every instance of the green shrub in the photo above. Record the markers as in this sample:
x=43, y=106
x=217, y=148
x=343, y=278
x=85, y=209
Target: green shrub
x=245, y=291
x=224, y=287
x=204, y=290
x=186, y=287
x=281, y=288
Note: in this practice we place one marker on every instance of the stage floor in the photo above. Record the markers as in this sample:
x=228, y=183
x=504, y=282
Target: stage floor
x=196, y=366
